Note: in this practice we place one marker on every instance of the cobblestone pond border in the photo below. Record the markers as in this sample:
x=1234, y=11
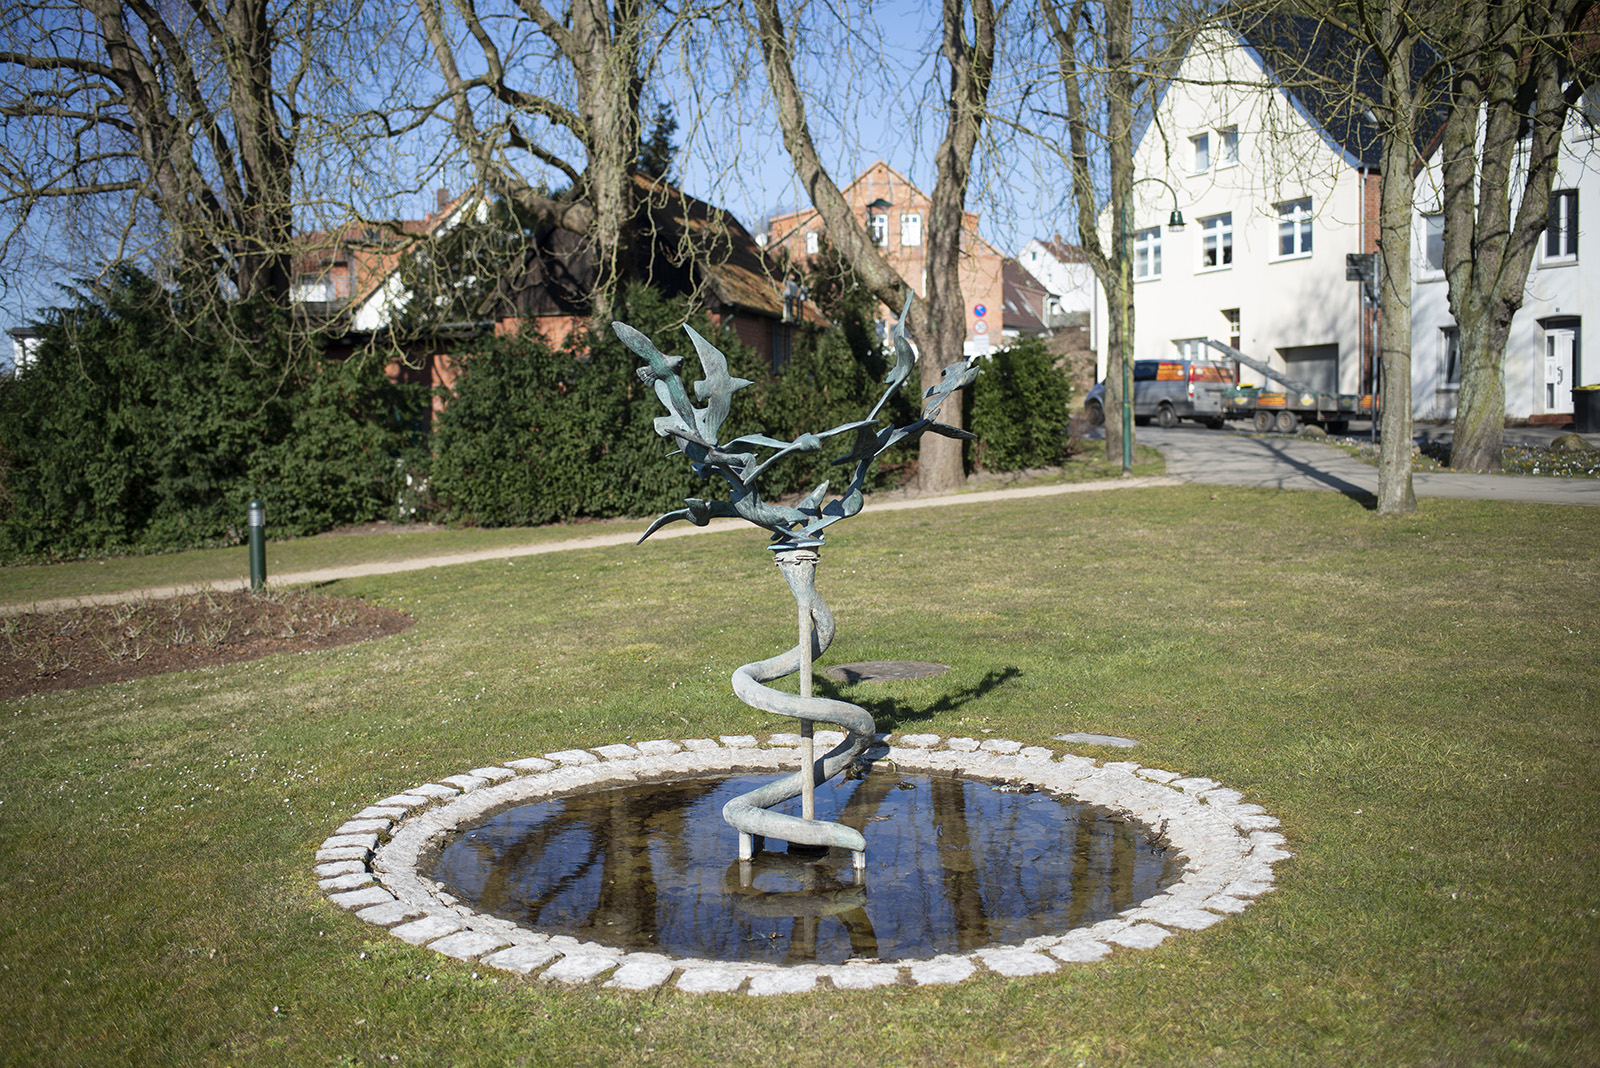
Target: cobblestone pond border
x=1226, y=846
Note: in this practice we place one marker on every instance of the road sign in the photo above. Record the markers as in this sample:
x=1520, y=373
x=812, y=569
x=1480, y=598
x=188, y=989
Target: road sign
x=980, y=311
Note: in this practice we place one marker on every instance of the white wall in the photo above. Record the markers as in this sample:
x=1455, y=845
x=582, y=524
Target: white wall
x=1562, y=290
x=1283, y=302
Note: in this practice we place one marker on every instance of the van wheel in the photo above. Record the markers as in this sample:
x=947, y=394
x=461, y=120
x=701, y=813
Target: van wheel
x=1096, y=414
x=1166, y=417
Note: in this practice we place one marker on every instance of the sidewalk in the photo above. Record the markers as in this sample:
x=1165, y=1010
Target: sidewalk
x=1221, y=457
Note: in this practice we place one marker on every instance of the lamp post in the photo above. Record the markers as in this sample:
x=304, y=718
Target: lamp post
x=1175, y=225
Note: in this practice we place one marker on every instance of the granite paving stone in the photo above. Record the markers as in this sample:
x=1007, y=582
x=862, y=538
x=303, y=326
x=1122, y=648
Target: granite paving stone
x=364, y=826
x=343, y=853
x=617, y=752
x=521, y=958
x=434, y=790
x=642, y=971
x=739, y=741
x=701, y=745
x=659, y=747
x=918, y=741
x=346, y=882
x=420, y=932
x=963, y=745
x=1081, y=951
x=580, y=967
x=493, y=773
x=787, y=981
x=713, y=979
x=863, y=976
x=389, y=913
x=338, y=867
x=941, y=970
x=383, y=812
x=530, y=764
x=466, y=783
x=468, y=945
x=362, y=841
x=1141, y=936
x=1014, y=963
x=356, y=899
x=573, y=756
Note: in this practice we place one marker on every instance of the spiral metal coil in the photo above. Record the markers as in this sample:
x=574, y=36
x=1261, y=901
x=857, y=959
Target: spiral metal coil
x=748, y=813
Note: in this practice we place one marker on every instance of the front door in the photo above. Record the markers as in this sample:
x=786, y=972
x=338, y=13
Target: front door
x=1559, y=344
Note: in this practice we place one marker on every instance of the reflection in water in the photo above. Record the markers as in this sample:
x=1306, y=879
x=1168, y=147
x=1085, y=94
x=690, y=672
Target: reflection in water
x=953, y=864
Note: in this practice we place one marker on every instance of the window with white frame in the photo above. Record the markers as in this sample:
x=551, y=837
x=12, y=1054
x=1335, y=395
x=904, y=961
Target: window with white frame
x=1433, y=242
x=1227, y=146
x=879, y=225
x=1216, y=241
x=1449, y=358
x=1561, y=232
x=1192, y=348
x=1147, y=253
x=1202, y=152
x=813, y=243
x=1232, y=317
x=1294, y=228
x=911, y=228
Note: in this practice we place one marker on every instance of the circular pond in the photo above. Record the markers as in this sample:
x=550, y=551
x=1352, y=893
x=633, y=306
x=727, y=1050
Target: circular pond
x=953, y=864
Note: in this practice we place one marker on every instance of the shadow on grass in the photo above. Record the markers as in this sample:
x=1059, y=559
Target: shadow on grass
x=891, y=714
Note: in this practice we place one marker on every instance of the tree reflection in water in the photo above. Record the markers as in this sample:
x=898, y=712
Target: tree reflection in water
x=953, y=865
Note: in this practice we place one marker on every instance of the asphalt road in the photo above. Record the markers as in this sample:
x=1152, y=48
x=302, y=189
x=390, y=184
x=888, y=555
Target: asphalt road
x=1232, y=458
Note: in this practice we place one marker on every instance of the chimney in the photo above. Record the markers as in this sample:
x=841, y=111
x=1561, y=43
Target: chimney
x=441, y=198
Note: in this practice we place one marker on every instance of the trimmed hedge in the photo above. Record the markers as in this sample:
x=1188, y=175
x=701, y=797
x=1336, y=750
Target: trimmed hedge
x=142, y=426
x=1021, y=407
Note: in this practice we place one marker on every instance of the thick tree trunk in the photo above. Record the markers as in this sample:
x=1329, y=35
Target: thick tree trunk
x=1395, y=492
x=1476, y=442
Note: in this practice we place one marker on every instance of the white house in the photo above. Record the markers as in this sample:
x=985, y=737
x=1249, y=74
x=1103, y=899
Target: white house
x=1276, y=187
x=1065, y=273
x=1544, y=352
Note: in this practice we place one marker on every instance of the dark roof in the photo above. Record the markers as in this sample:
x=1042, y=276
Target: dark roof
x=1336, y=78
x=680, y=245
x=1025, y=299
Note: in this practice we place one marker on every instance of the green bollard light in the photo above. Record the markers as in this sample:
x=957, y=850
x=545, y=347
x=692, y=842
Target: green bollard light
x=258, y=545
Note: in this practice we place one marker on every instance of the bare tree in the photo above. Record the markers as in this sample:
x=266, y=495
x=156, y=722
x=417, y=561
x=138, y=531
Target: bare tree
x=549, y=112
x=938, y=324
x=1502, y=142
x=172, y=133
x=1085, y=55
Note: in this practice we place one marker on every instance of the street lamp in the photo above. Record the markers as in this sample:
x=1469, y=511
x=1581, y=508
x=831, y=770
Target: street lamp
x=1174, y=224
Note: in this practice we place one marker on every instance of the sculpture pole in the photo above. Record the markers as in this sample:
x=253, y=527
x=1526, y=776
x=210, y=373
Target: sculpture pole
x=797, y=532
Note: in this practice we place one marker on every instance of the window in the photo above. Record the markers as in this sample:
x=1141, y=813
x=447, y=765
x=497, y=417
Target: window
x=911, y=228
x=1561, y=233
x=1192, y=348
x=813, y=243
x=1433, y=242
x=1216, y=242
x=1228, y=146
x=1294, y=228
x=1147, y=253
x=879, y=224
x=1449, y=358
x=1234, y=333
x=1202, y=152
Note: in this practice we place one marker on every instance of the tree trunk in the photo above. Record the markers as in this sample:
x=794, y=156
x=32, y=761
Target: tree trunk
x=938, y=324
x=1395, y=493
x=1481, y=402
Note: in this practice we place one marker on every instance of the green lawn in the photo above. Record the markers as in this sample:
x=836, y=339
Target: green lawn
x=1415, y=698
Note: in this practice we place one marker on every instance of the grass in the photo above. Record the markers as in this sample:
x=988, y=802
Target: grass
x=1414, y=697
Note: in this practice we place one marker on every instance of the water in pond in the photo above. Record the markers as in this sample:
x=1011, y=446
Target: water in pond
x=953, y=865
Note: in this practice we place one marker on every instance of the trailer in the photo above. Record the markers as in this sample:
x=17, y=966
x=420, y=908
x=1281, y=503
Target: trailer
x=1285, y=411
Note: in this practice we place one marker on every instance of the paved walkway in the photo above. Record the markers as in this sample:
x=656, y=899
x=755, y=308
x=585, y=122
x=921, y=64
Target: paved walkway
x=1229, y=458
